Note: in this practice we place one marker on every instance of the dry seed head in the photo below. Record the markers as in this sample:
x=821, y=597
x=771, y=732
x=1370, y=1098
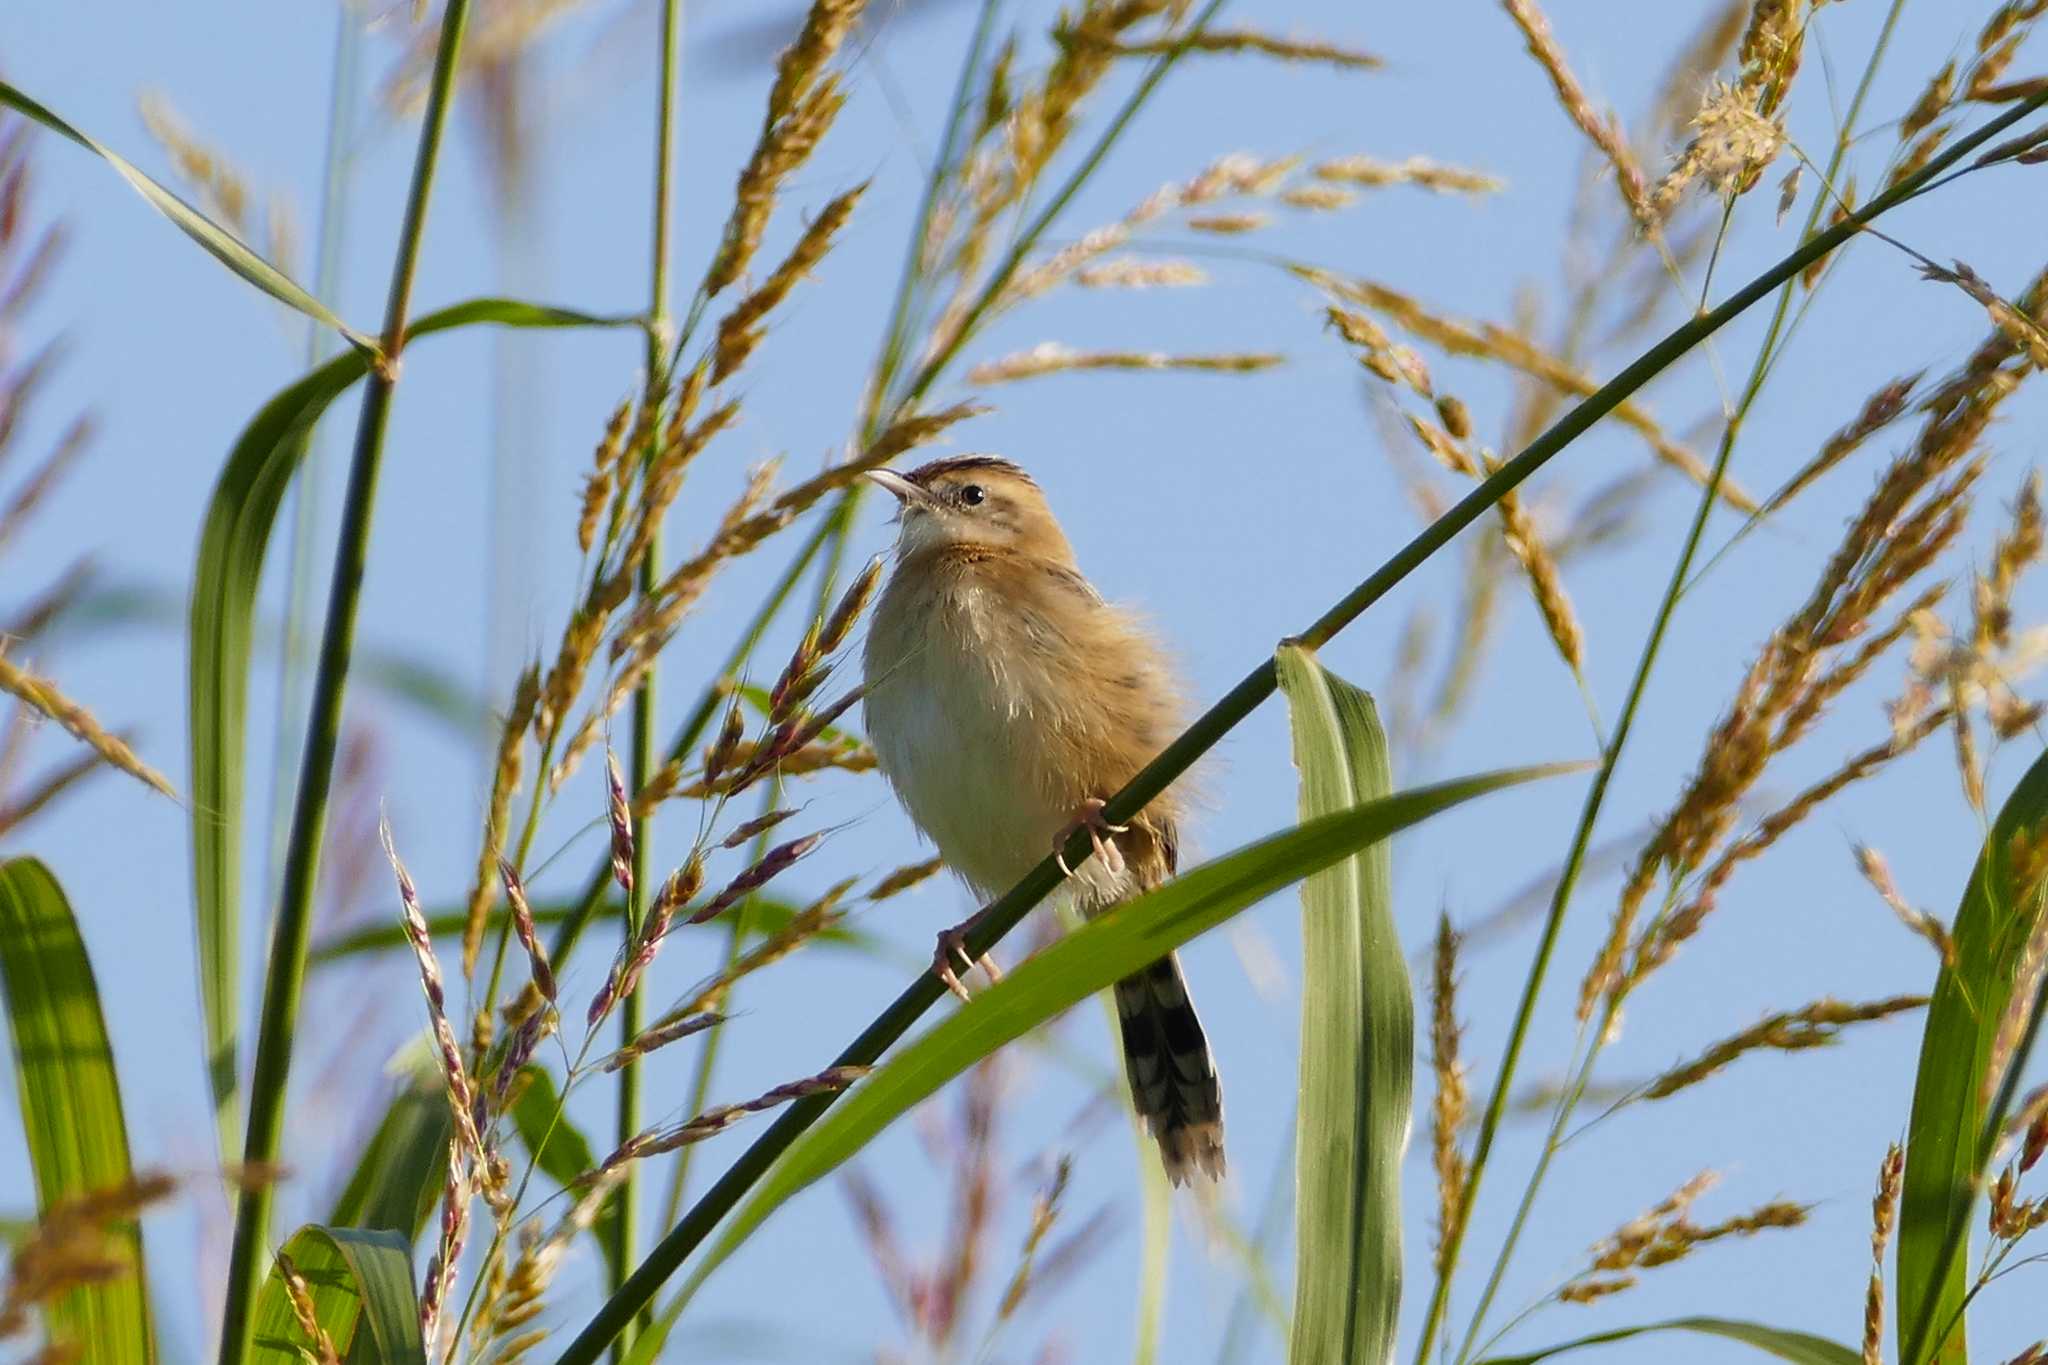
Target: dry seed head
x=851, y=604
x=760, y=824
x=1130, y=273
x=1457, y=421
x=1229, y=224
x=597, y=488
x=1318, y=198
x=817, y=917
x=1933, y=101
x=903, y=878
x=1050, y=357
x=522, y=924
x=1511, y=348
x=462, y=1097
x=720, y=755
x=661, y=1035
x=1883, y=1207
x=740, y=331
x=1228, y=40
x=1788, y=191
x=620, y=813
x=41, y=695
x=1416, y=170
x=1814, y=1025
x=655, y=1141
x=772, y=864
x=1879, y=411
x=787, y=143
x=2031, y=1125
x=1545, y=580
x=796, y=70
x=1878, y=873
x=504, y=783
x=1448, y=1113
x=439, y=1280
x=1590, y=1290
x=320, y=1346
x=1603, y=132
x=1919, y=154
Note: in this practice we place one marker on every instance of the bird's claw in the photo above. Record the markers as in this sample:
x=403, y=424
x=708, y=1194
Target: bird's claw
x=1089, y=818
x=952, y=946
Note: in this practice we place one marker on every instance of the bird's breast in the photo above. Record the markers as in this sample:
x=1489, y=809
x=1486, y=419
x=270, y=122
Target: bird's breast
x=964, y=721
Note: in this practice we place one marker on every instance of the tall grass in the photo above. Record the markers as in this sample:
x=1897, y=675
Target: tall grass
x=509, y=1185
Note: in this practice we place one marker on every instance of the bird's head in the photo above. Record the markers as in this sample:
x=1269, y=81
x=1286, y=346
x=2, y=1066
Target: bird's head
x=973, y=500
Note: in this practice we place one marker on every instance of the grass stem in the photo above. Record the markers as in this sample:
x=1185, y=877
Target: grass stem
x=286, y=971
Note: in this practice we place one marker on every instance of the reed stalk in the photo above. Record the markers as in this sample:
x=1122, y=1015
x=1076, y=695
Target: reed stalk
x=285, y=974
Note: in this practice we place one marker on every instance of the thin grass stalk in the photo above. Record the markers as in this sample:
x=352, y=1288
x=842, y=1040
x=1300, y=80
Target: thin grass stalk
x=1003, y=915
x=286, y=972
x=626, y=1198
x=329, y=234
x=1589, y=816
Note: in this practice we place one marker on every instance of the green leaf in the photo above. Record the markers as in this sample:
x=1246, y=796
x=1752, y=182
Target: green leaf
x=227, y=248
x=1797, y=1347
x=70, y=1098
x=361, y=1283
x=400, y=1173
x=1946, y=1154
x=1086, y=961
x=765, y=916
x=232, y=545
x=562, y=1152
x=1357, y=1040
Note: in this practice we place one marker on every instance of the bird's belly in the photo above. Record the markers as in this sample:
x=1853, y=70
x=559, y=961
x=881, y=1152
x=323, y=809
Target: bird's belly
x=964, y=748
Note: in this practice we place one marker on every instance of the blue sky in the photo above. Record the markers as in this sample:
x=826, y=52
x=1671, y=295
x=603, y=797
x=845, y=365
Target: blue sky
x=1232, y=511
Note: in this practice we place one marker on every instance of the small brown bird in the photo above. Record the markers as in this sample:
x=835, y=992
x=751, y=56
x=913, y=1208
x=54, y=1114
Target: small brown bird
x=1006, y=700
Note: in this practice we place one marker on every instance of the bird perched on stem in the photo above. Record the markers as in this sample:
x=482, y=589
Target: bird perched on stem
x=1006, y=700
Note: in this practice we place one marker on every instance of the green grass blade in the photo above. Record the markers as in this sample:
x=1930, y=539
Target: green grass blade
x=400, y=1173
x=361, y=1283
x=70, y=1098
x=561, y=1151
x=1945, y=1154
x=225, y=247
x=1797, y=1347
x=232, y=545
x=1088, y=960
x=1357, y=1040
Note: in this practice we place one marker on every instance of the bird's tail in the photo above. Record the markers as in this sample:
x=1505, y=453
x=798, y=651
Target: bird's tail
x=1172, y=1075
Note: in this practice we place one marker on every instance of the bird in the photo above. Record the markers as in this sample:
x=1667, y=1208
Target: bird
x=1005, y=700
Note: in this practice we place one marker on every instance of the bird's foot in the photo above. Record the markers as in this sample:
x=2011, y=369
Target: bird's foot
x=952, y=948
x=1089, y=817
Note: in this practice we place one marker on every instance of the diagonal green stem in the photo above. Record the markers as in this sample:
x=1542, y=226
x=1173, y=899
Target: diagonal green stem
x=625, y=1227
x=287, y=967
x=1004, y=914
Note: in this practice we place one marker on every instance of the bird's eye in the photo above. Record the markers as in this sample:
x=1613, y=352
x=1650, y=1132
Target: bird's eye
x=972, y=495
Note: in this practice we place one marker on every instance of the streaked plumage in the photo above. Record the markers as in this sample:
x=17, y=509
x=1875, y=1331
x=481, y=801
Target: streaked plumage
x=1003, y=696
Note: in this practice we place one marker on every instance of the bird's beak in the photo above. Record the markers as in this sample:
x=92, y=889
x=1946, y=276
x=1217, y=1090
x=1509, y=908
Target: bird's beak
x=902, y=489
